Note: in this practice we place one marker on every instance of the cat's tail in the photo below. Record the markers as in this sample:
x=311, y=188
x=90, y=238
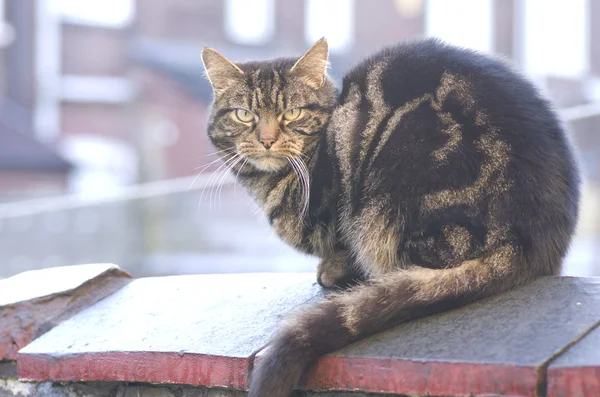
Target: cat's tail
x=370, y=308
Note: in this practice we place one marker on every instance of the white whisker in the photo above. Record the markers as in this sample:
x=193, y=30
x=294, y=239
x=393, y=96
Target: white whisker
x=235, y=184
x=232, y=157
x=221, y=183
x=204, y=169
x=304, y=180
x=205, y=166
x=220, y=177
x=226, y=150
x=307, y=181
x=293, y=165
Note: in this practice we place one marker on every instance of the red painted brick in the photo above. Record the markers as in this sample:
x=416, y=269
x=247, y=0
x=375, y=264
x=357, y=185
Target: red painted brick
x=422, y=378
x=147, y=367
x=574, y=382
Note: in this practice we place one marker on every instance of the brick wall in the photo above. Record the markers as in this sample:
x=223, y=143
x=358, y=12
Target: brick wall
x=94, y=50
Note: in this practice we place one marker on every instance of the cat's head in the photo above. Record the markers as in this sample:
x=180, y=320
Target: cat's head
x=267, y=112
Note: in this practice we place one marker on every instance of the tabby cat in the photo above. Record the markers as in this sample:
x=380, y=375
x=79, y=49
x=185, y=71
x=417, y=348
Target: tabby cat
x=435, y=177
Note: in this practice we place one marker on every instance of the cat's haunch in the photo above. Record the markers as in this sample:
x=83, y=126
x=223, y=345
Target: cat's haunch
x=436, y=176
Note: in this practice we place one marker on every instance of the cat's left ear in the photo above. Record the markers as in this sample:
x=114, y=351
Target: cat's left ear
x=221, y=72
x=313, y=65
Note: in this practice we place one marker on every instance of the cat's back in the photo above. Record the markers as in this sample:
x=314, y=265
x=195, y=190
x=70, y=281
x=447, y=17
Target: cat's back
x=448, y=135
x=426, y=96
x=410, y=70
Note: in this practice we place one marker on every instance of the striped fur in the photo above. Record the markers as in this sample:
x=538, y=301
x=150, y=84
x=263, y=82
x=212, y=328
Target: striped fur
x=437, y=176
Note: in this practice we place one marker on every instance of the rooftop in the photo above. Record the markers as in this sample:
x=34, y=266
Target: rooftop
x=201, y=330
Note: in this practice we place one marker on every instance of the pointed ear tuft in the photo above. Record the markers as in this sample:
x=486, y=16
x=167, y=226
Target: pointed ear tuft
x=221, y=72
x=312, y=66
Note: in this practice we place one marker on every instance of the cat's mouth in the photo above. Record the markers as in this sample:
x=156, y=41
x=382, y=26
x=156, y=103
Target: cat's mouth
x=278, y=157
x=268, y=161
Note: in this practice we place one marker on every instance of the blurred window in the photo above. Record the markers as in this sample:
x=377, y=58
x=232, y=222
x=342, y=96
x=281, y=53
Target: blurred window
x=103, y=165
x=7, y=32
x=466, y=23
x=106, y=13
x=105, y=89
x=556, y=37
x=332, y=19
x=250, y=22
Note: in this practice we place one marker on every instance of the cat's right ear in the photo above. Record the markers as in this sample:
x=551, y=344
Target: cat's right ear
x=221, y=72
x=312, y=66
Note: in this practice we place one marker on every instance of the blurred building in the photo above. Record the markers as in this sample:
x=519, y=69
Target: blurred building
x=116, y=87
x=28, y=168
x=100, y=94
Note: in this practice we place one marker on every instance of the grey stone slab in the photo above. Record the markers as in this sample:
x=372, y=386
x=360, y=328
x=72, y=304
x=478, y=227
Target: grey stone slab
x=498, y=345
x=33, y=302
x=576, y=372
x=525, y=326
x=203, y=328
x=220, y=315
x=35, y=284
x=584, y=353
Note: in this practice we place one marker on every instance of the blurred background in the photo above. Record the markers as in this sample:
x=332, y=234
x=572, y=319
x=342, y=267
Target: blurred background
x=103, y=108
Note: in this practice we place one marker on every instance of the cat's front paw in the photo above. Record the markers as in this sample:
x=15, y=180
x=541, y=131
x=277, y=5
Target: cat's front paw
x=335, y=272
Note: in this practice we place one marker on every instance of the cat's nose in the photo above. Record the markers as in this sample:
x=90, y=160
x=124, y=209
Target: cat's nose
x=268, y=133
x=267, y=143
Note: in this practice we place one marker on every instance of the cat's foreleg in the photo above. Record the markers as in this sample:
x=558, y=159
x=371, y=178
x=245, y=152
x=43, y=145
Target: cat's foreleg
x=338, y=271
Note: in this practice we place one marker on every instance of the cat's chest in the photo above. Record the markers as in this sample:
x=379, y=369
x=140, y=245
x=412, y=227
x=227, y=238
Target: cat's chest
x=316, y=240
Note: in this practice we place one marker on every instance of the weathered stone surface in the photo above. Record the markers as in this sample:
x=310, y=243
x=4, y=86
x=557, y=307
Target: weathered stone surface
x=8, y=369
x=497, y=345
x=576, y=372
x=31, y=303
x=184, y=329
x=15, y=388
x=200, y=330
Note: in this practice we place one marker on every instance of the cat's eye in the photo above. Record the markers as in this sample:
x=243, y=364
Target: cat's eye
x=244, y=116
x=293, y=114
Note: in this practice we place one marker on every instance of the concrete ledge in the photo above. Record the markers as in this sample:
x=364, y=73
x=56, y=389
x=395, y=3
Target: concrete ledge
x=31, y=303
x=501, y=345
x=201, y=331
x=195, y=330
